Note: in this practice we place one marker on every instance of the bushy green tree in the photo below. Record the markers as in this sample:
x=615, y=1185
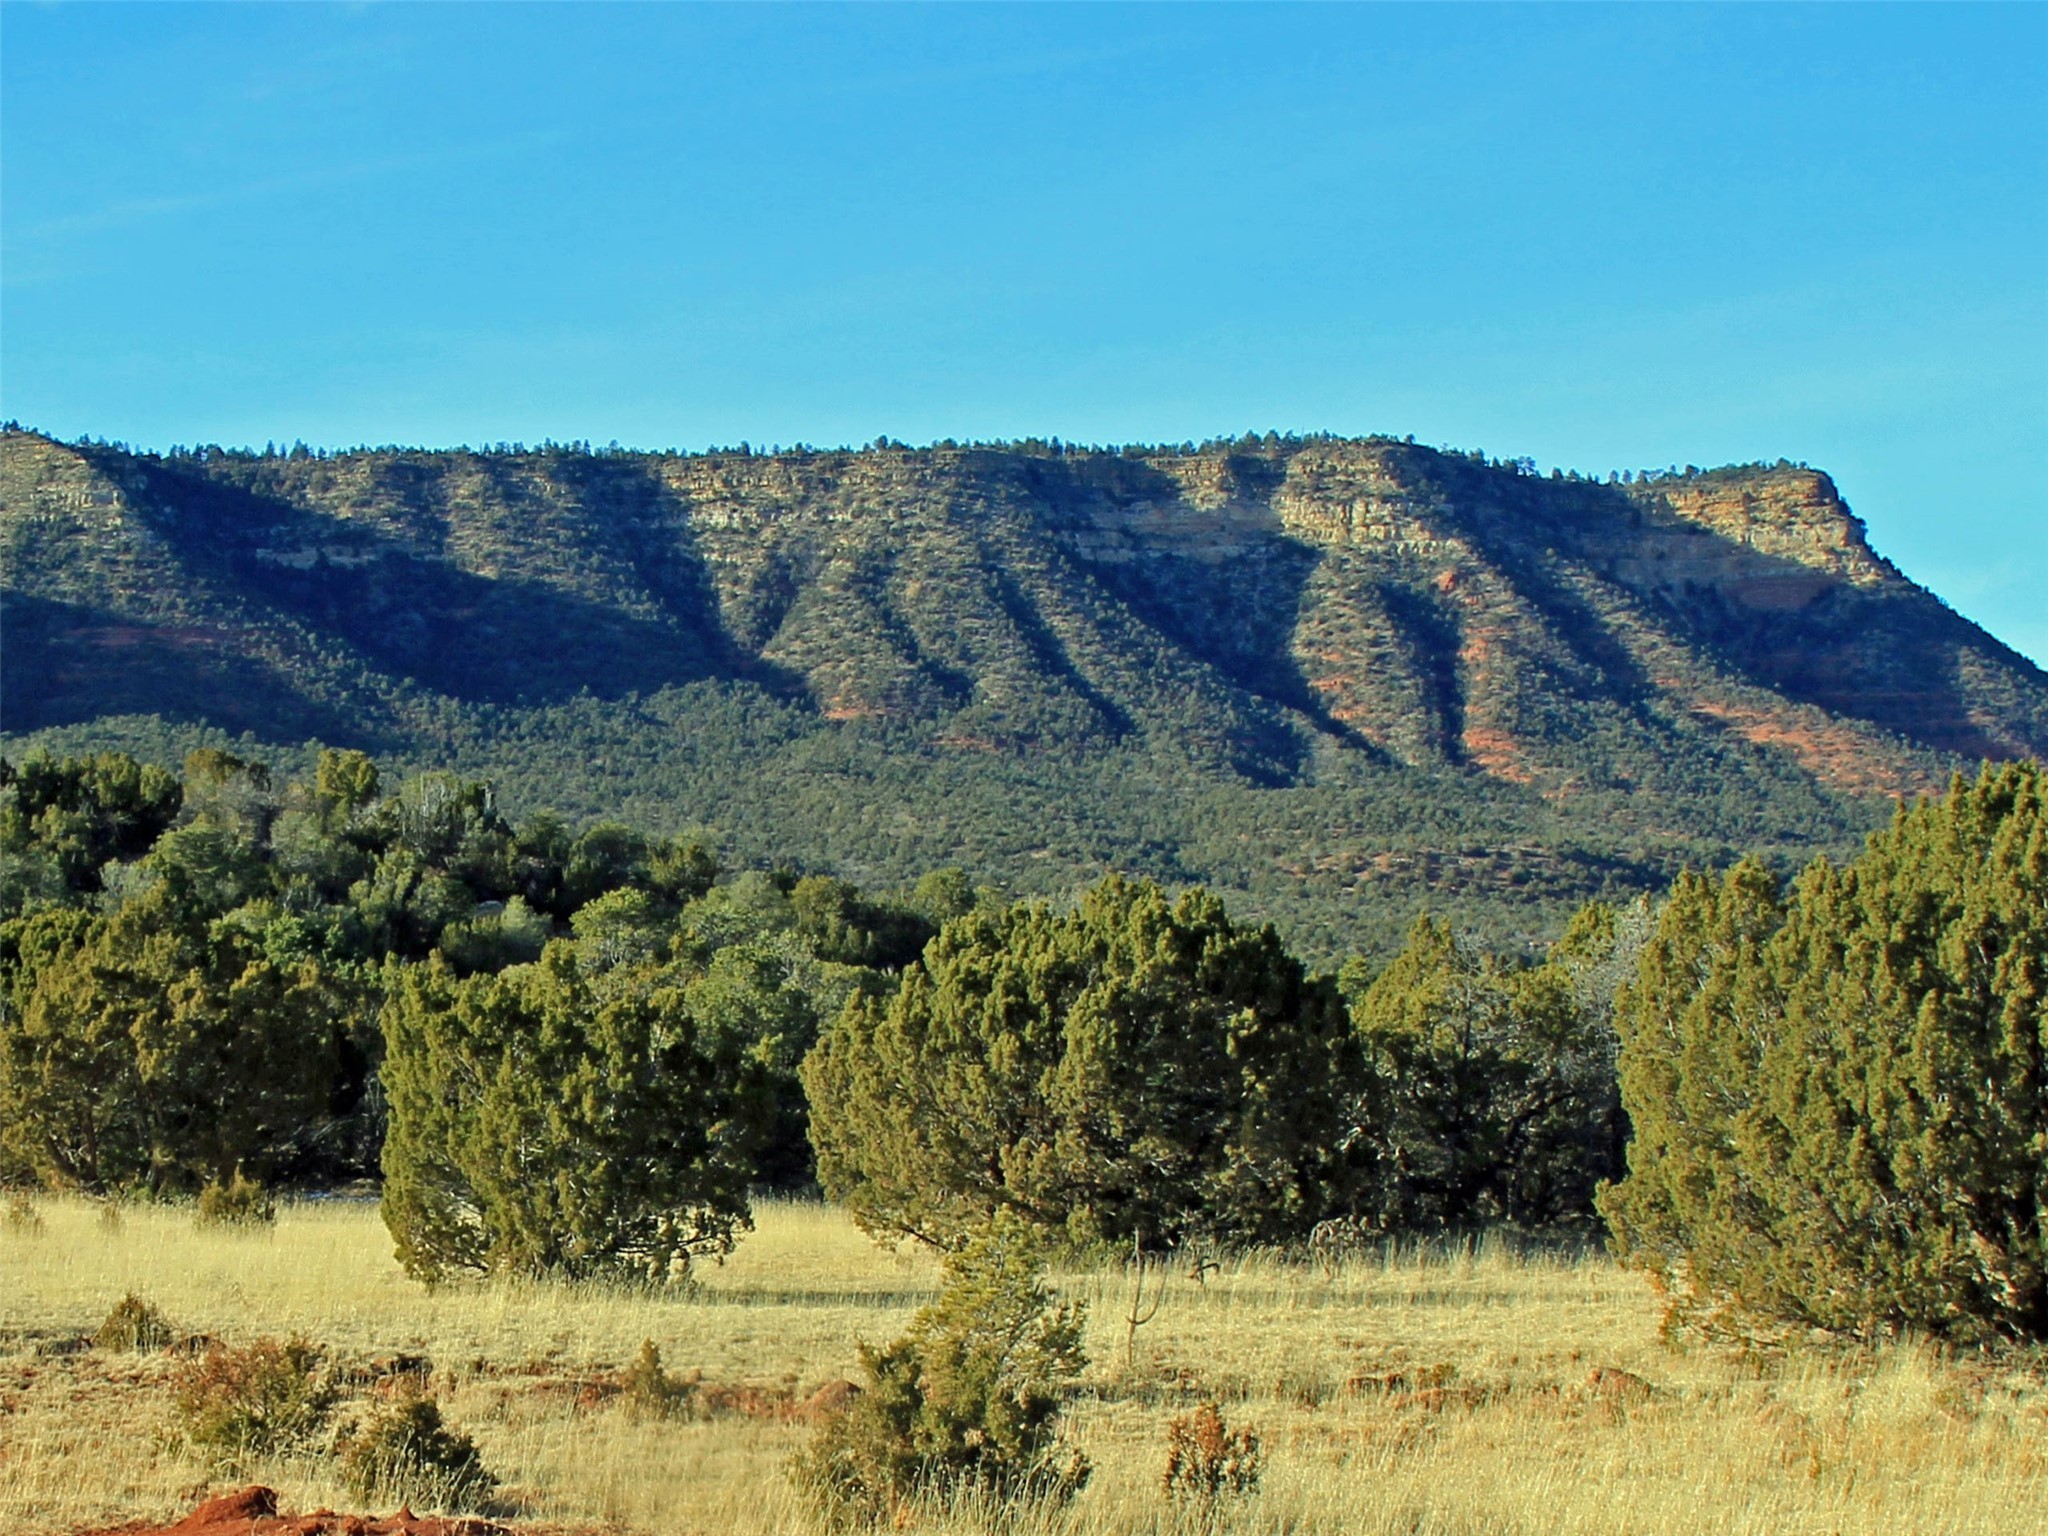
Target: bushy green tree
x=491, y=939
x=208, y=870
x=1694, y=1023
x=605, y=858
x=552, y=1120
x=942, y=895
x=61, y=820
x=1841, y=1102
x=154, y=1050
x=841, y=925
x=762, y=1002
x=1136, y=1067
x=1487, y=1090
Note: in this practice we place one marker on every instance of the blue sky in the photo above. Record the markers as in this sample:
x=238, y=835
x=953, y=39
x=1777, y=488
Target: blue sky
x=1604, y=237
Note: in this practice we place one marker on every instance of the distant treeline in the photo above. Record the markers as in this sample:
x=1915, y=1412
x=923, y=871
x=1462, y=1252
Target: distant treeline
x=1046, y=447
x=577, y=1052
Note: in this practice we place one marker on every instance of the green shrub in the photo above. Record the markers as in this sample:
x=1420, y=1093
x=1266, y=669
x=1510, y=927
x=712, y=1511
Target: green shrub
x=407, y=1454
x=134, y=1324
x=554, y=1119
x=966, y=1404
x=238, y=1404
x=1206, y=1459
x=241, y=1202
x=649, y=1392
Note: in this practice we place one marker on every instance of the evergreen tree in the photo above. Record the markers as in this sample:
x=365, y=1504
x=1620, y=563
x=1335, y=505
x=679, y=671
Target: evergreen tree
x=554, y=1120
x=1487, y=1091
x=1846, y=1124
x=154, y=1051
x=1694, y=1025
x=1134, y=1067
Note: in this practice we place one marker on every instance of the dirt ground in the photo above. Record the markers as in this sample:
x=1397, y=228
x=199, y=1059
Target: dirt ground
x=253, y=1511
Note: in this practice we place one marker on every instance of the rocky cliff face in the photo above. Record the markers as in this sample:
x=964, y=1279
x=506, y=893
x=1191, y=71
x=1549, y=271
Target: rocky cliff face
x=1417, y=604
x=1288, y=616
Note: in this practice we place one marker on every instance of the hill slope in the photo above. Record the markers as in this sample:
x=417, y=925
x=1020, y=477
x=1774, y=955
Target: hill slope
x=1339, y=678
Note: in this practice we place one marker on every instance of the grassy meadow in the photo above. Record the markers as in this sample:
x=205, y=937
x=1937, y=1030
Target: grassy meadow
x=1418, y=1392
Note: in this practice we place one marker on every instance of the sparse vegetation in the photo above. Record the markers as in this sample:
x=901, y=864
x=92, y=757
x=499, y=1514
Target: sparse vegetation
x=649, y=1392
x=133, y=1324
x=967, y=1404
x=1364, y=1428
x=1208, y=1461
x=406, y=1454
x=241, y=1202
x=236, y=1405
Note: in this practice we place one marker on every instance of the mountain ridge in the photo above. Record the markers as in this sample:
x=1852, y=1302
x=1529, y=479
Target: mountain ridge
x=1284, y=631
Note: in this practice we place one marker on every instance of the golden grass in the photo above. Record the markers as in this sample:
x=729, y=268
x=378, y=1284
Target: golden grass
x=1888, y=1442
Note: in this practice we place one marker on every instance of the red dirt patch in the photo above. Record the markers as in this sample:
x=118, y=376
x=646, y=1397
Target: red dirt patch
x=830, y=1400
x=253, y=1512
x=1618, y=1386
x=1856, y=762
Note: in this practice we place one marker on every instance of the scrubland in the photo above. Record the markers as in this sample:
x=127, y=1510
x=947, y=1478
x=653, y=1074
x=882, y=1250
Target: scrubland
x=1421, y=1391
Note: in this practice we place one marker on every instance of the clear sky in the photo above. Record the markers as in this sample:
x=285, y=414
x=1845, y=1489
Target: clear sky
x=1604, y=237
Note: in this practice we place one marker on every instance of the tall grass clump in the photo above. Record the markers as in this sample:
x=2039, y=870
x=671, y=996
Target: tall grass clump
x=408, y=1454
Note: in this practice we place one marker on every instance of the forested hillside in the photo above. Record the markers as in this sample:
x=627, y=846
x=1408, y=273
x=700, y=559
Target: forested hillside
x=1337, y=680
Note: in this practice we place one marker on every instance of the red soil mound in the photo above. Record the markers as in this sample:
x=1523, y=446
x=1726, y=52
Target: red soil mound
x=253, y=1512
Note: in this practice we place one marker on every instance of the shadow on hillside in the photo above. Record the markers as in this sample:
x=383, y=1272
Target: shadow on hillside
x=509, y=637
x=69, y=663
x=1235, y=616
x=1895, y=657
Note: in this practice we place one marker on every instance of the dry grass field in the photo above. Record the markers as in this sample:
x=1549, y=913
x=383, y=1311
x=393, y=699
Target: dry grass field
x=1419, y=1393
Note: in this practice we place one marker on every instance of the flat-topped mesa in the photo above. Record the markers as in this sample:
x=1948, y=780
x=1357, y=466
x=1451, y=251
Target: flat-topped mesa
x=1783, y=536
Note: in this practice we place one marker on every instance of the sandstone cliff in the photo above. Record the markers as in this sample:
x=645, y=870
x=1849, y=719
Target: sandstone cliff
x=1290, y=616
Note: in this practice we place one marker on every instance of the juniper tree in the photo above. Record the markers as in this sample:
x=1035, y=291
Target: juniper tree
x=1694, y=1023
x=1842, y=1116
x=153, y=1049
x=549, y=1119
x=1137, y=1067
x=1487, y=1088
